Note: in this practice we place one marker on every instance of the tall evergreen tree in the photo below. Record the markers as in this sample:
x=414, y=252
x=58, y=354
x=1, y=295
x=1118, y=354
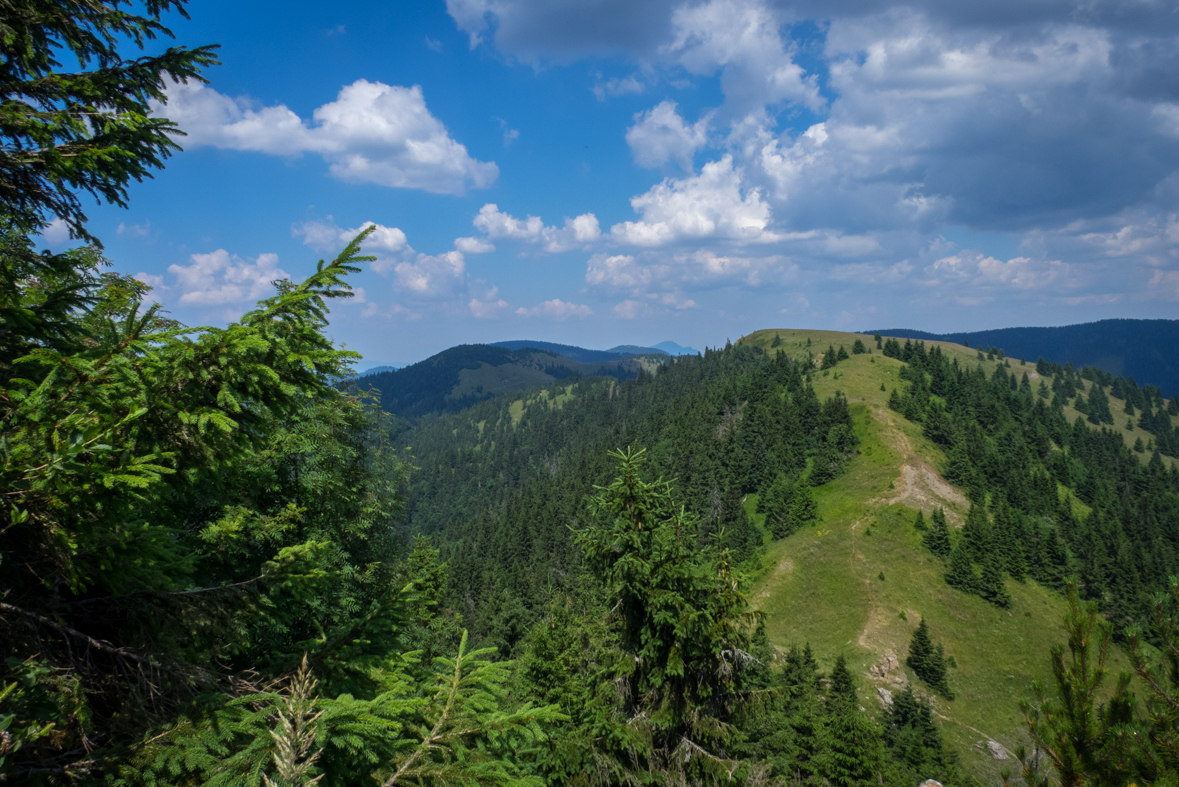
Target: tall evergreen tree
x=1080, y=737
x=937, y=537
x=679, y=616
x=928, y=661
x=853, y=752
x=960, y=574
x=976, y=533
x=842, y=684
x=915, y=742
x=991, y=585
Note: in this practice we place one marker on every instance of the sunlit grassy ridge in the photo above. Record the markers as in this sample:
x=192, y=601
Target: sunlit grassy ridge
x=823, y=585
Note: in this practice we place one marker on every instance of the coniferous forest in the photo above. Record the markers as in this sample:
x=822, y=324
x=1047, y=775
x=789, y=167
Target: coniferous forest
x=221, y=563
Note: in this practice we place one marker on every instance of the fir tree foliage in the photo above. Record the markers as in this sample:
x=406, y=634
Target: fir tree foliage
x=937, y=538
x=928, y=661
x=960, y=574
x=1078, y=734
x=51, y=148
x=679, y=614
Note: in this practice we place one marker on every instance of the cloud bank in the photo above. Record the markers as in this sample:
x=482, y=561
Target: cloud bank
x=371, y=133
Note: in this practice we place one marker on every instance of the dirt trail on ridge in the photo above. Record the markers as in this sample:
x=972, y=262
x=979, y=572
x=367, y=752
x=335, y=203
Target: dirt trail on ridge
x=918, y=486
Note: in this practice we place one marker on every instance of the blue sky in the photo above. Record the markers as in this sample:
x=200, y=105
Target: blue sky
x=608, y=172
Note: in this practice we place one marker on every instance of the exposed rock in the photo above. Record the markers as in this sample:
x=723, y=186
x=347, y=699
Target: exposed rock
x=889, y=670
x=996, y=751
x=885, y=697
x=930, y=783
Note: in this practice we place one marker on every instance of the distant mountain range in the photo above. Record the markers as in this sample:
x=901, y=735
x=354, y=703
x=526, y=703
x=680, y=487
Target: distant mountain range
x=391, y=367
x=593, y=356
x=1147, y=350
x=579, y=354
x=671, y=348
x=463, y=375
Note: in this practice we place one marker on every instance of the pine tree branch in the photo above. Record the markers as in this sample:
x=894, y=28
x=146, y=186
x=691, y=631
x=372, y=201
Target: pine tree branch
x=430, y=741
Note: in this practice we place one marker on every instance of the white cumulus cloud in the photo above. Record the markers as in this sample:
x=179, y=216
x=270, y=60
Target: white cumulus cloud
x=556, y=309
x=431, y=275
x=221, y=278
x=489, y=306
x=327, y=238
x=473, y=245
x=134, y=230
x=617, y=87
x=371, y=133
x=708, y=205
x=630, y=309
x=577, y=231
x=660, y=135
x=980, y=270
x=741, y=39
x=56, y=232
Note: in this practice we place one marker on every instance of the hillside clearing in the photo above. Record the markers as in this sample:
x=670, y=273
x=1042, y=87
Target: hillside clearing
x=822, y=585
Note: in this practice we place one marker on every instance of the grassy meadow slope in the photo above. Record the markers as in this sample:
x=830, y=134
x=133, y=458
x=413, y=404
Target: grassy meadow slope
x=824, y=585
x=1142, y=349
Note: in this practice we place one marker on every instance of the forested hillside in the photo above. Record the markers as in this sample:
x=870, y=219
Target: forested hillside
x=579, y=354
x=501, y=483
x=1140, y=349
x=810, y=558
x=460, y=376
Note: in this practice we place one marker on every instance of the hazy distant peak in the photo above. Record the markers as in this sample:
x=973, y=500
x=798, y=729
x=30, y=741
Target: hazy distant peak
x=671, y=348
x=634, y=349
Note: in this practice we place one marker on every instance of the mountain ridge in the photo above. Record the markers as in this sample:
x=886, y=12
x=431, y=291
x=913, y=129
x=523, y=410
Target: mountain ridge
x=463, y=375
x=1142, y=349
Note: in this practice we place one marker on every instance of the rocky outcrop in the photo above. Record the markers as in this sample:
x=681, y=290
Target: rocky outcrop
x=996, y=751
x=888, y=670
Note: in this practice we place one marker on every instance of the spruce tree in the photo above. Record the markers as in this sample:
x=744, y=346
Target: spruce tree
x=928, y=662
x=801, y=673
x=90, y=127
x=937, y=538
x=757, y=676
x=960, y=468
x=804, y=511
x=1017, y=564
x=960, y=574
x=915, y=742
x=920, y=650
x=805, y=736
x=779, y=507
x=842, y=684
x=853, y=753
x=976, y=533
x=829, y=357
x=919, y=524
x=991, y=586
x=1075, y=733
